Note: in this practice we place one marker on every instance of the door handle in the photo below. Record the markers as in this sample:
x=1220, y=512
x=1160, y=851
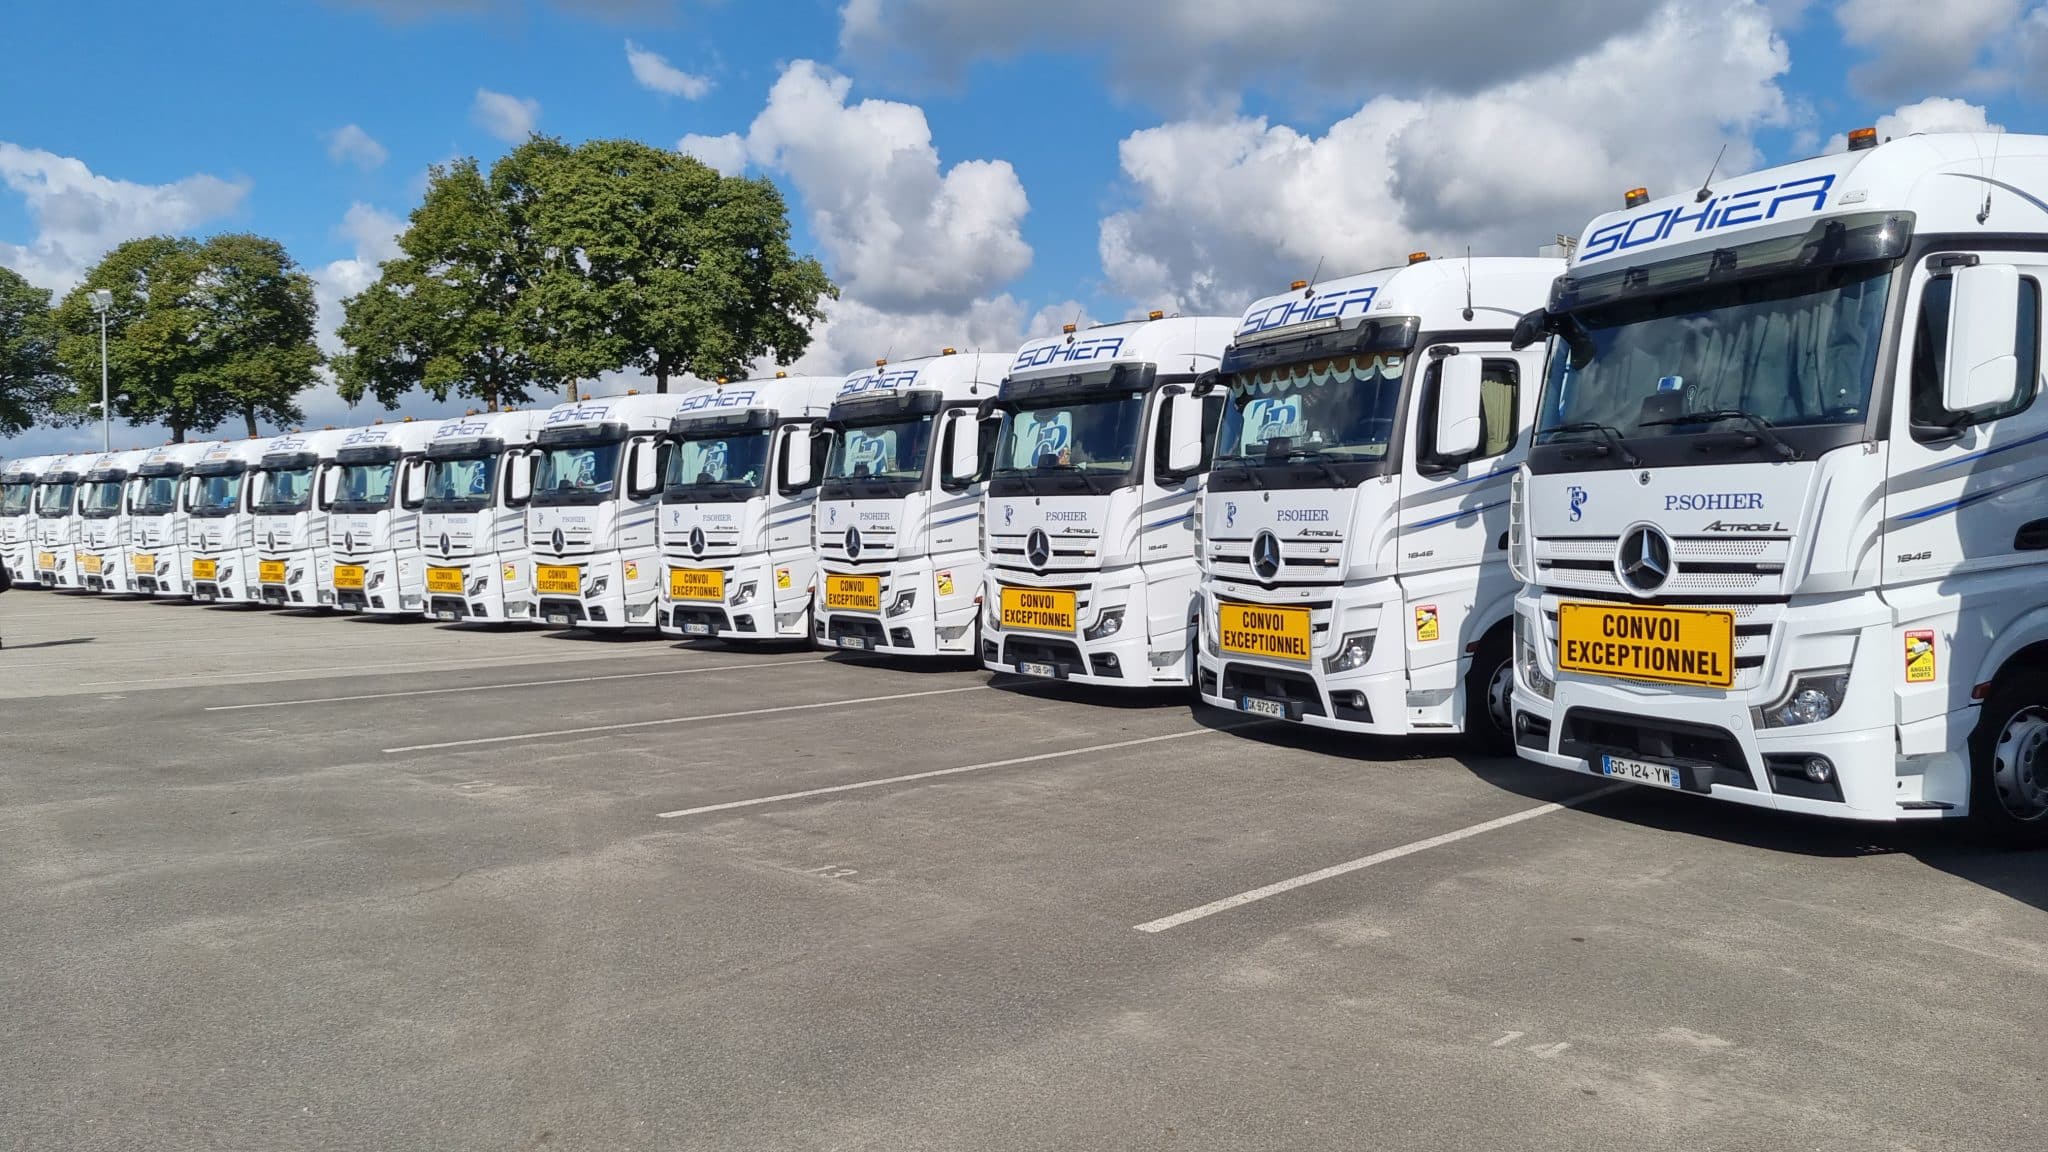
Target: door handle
x=2032, y=537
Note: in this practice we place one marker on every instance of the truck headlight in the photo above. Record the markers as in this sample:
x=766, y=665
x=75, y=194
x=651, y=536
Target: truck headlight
x=1353, y=651
x=376, y=580
x=1813, y=697
x=598, y=586
x=1107, y=624
x=1526, y=664
x=477, y=586
x=297, y=574
x=743, y=594
x=905, y=601
x=1209, y=642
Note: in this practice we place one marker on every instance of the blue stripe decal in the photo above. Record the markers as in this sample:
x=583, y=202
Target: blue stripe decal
x=974, y=515
x=1498, y=474
x=1171, y=520
x=789, y=520
x=1966, y=501
x=1459, y=515
x=1992, y=451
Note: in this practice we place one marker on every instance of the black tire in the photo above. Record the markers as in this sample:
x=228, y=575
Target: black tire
x=2009, y=760
x=1489, y=715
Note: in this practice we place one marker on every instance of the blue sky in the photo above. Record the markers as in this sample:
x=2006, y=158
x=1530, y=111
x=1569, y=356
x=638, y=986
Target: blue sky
x=970, y=170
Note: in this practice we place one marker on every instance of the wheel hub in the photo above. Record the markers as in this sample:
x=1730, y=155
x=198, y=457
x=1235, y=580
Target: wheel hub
x=2019, y=769
x=1500, y=696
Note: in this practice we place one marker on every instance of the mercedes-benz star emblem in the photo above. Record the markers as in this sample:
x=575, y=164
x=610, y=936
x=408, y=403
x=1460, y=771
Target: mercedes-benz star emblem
x=273, y=541
x=853, y=543
x=1266, y=555
x=1038, y=549
x=1644, y=562
x=348, y=542
x=697, y=541
x=558, y=542
x=445, y=549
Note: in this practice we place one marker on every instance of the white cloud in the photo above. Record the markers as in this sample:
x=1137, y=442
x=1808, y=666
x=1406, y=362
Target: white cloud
x=349, y=144
x=79, y=214
x=509, y=118
x=373, y=235
x=1227, y=208
x=653, y=72
x=1918, y=45
x=900, y=233
x=727, y=153
x=1934, y=114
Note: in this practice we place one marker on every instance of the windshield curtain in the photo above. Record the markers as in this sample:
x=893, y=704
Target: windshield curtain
x=281, y=490
x=1792, y=350
x=101, y=498
x=582, y=474
x=366, y=487
x=727, y=465
x=156, y=495
x=55, y=500
x=1341, y=407
x=14, y=498
x=217, y=494
x=1094, y=441
x=463, y=485
x=892, y=452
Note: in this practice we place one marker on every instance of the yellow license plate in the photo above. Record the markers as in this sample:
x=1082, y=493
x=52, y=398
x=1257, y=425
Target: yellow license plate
x=1038, y=609
x=447, y=580
x=1263, y=630
x=696, y=584
x=1664, y=645
x=350, y=577
x=91, y=565
x=554, y=580
x=205, y=569
x=270, y=571
x=46, y=559
x=145, y=564
x=854, y=593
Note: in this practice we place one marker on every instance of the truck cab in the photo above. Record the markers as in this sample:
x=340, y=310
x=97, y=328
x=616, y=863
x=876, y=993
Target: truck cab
x=54, y=527
x=898, y=516
x=161, y=519
x=1353, y=525
x=1089, y=515
x=479, y=483
x=373, y=525
x=106, y=525
x=222, y=525
x=596, y=501
x=293, y=497
x=743, y=471
x=1785, y=523
x=17, y=514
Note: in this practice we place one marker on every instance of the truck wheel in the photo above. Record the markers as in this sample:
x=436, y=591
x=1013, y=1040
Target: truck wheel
x=1489, y=696
x=2009, y=760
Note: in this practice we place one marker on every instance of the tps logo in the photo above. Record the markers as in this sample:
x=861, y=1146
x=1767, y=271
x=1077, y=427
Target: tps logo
x=1230, y=514
x=1009, y=511
x=1577, y=495
x=831, y=514
x=1268, y=418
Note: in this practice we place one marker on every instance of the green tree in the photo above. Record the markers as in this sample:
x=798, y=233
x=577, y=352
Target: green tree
x=254, y=310
x=31, y=378
x=151, y=354
x=444, y=316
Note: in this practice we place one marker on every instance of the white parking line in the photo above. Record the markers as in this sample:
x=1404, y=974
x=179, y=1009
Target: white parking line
x=596, y=728
x=431, y=665
x=938, y=772
x=515, y=684
x=1350, y=866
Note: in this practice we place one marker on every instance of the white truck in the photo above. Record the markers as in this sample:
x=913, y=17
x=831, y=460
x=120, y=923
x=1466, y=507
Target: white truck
x=1353, y=525
x=106, y=525
x=295, y=484
x=221, y=526
x=53, y=530
x=596, y=500
x=162, y=519
x=373, y=526
x=743, y=467
x=898, y=517
x=479, y=483
x=1088, y=521
x=1785, y=523
x=18, y=480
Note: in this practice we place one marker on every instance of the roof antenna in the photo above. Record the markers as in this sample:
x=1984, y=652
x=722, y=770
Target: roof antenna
x=1317, y=274
x=1468, y=283
x=1706, y=186
x=1984, y=213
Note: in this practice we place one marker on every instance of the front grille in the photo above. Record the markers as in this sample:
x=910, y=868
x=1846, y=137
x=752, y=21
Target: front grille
x=855, y=628
x=444, y=606
x=557, y=611
x=1705, y=755
x=1296, y=689
x=1060, y=654
x=711, y=618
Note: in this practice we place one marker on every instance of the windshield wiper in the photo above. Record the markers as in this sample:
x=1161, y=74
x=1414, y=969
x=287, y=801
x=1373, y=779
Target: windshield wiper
x=1316, y=456
x=1763, y=429
x=1608, y=432
x=1251, y=471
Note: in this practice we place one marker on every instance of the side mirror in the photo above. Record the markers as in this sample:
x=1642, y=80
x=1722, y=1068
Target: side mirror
x=1532, y=328
x=1181, y=436
x=1459, y=423
x=1983, y=329
x=795, y=464
x=329, y=485
x=645, y=479
x=415, y=483
x=963, y=455
x=518, y=478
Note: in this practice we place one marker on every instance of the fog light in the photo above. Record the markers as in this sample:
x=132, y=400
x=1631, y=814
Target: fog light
x=1813, y=697
x=905, y=601
x=743, y=594
x=1354, y=651
x=1107, y=624
x=1819, y=770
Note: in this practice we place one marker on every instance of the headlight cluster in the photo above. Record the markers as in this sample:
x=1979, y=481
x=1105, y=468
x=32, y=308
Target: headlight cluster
x=1107, y=624
x=376, y=580
x=1353, y=651
x=1527, y=666
x=598, y=586
x=1813, y=697
x=904, y=602
x=743, y=594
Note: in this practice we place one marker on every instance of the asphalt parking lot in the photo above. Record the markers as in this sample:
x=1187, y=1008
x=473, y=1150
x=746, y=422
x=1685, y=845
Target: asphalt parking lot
x=282, y=882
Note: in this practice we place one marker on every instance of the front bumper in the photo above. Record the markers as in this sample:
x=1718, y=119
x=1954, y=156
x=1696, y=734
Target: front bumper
x=618, y=592
x=764, y=600
x=165, y=571
x=233, y=582
x=304, y=584
x=107, y=570
x=56, y=566
x=941, y=619
x=392, y=585
x=1123, y=657
x=495, y=589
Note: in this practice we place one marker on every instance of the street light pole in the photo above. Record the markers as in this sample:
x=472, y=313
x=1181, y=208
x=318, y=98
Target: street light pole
x=102, y=302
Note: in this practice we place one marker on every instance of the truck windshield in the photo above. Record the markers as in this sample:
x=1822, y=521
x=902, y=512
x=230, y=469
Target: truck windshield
x=1793, y=350
x=156, y=495
x=284, y=490
x=881, y=459
x=579, y=474
x=216, y=495
x=366, y=487
x=1082, y=445
x=55, y=499
x=102, y=498
x=14, y=498
x=463, y=485
x=1322, y=422
x=718, y=467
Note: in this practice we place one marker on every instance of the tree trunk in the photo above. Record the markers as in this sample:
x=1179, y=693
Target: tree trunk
x=661, y=374
x=177, y=433
x=249, y=417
